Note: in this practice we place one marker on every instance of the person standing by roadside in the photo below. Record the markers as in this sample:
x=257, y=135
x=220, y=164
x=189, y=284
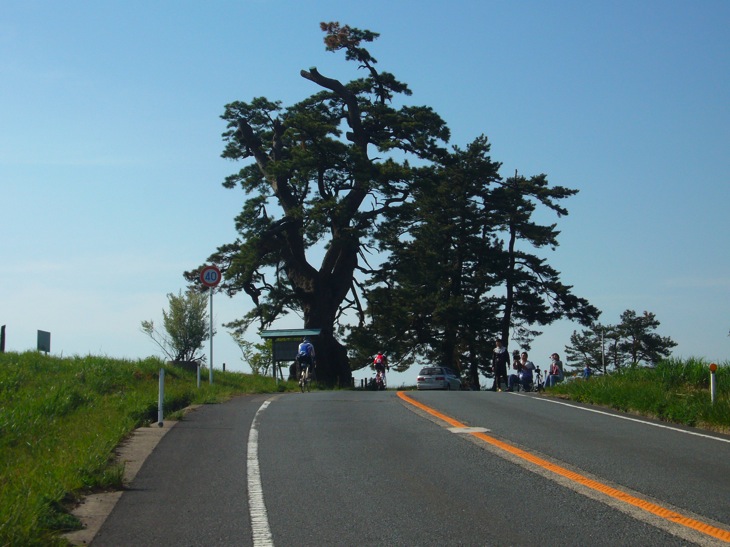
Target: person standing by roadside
x=555, y=371
x=500, y=358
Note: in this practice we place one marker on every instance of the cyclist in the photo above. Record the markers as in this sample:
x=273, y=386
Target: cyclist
x=380, y=363
x=305, y=356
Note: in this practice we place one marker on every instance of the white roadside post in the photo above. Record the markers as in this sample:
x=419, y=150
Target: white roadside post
x=161, y=398
x=210, y=276
x=713, y=385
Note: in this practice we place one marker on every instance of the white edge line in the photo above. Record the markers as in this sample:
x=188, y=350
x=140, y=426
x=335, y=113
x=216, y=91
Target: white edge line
x=257, y=508
x=711, y=437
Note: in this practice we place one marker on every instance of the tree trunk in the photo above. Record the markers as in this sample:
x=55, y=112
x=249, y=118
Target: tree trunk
x=509, y=280
x=333, y=365
x=320, y=308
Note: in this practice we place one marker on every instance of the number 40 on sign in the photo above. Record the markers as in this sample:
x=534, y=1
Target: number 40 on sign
x=210, y=276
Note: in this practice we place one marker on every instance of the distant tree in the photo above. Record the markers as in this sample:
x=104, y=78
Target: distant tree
x=638, y=343
x=587, y=349
x=629, y=343
x=186, y=327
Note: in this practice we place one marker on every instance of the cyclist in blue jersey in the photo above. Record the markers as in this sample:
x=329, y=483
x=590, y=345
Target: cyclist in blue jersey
x=305, y=355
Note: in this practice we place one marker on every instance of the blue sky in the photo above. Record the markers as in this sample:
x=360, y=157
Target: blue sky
x=110, y=168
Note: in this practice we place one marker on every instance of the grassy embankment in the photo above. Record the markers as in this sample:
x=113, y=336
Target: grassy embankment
x=60, y=420
x=676, y=391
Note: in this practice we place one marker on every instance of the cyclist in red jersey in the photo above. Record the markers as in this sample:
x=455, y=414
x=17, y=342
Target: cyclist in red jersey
x=380, y=363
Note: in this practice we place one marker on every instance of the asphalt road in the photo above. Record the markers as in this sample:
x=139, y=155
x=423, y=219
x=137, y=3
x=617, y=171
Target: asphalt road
x=369, y=468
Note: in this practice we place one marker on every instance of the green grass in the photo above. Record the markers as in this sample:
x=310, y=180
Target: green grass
x=61, y=418
x=676, y=391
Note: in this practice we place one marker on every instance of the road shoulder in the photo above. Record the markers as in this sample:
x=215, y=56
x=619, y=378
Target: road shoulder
x=93, y=510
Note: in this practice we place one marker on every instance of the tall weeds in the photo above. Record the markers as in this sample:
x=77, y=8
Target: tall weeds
x=675, y=390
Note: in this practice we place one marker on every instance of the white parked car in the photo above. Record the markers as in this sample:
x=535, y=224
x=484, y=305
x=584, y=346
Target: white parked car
x=436, y=377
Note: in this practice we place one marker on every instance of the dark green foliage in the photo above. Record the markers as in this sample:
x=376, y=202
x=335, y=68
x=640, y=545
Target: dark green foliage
x=630, y=343
x=451, y=284
x=637, y=342
x=348, y=170
x=533, y=293
x=429, y=301
x=320, y=174
x=585, y=349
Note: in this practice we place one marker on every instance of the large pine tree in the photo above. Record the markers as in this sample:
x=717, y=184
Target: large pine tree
x=430, y=300
x=464, y=273
x=534, y=294
x=318, y=175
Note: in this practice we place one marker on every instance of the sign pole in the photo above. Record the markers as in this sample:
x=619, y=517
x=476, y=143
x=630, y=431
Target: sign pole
x=210, y=380
x=210, y=276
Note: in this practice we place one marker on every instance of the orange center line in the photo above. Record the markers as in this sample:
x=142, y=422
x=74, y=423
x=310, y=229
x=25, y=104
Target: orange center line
x=654, y=509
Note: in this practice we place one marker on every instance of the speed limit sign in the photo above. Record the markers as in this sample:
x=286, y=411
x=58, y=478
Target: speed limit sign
x=210, y=276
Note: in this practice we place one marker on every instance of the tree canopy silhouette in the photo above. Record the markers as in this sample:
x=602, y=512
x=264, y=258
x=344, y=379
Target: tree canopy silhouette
x=354, y=209
x=318, y=176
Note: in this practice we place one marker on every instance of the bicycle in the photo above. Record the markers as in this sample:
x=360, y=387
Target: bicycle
x=376, y=383
x=304, y=377
x=304, y=380
x=380, y=381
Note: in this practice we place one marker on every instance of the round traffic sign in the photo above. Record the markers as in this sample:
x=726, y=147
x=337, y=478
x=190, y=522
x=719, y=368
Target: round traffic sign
x=210, y=276
x=713, y=367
